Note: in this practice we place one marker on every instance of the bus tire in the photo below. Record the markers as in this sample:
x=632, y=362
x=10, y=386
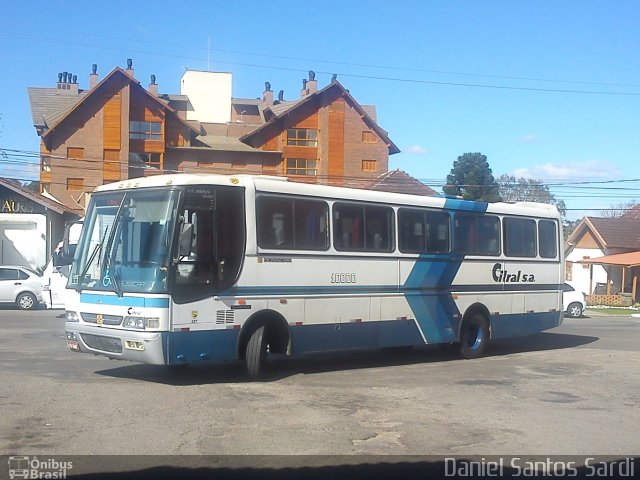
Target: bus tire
x=256, y=352
x=474, y=336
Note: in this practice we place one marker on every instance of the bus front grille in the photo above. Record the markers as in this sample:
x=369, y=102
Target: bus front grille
x=101, y=319
x=224, y=317
x=105, y=344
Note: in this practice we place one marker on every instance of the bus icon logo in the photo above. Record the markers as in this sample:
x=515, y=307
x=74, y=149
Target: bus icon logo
x=18, y=467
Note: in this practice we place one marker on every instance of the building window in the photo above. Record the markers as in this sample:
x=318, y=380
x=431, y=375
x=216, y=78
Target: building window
x=145, y=130
x=302, y=166
x=144, y=160
x=568, y=270
x=75, y=153
x=369, y=137
x=75, y=183
x=369, y=165
x=302, y=137
x=45, y=164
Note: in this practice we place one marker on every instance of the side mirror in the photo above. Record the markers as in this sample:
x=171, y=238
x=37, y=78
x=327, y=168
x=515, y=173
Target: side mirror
x=186, y=239
x=65, y=255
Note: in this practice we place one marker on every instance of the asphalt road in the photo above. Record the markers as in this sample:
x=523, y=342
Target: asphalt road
x=574, y=390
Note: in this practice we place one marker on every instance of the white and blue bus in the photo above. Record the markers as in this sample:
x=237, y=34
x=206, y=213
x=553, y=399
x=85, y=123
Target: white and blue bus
x=182, y=269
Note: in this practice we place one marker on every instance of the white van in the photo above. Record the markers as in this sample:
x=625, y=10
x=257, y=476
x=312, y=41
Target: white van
x=54, y=284
x=54, y=278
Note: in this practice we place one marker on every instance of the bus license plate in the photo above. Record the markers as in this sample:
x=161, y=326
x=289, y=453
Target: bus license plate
x=73, y=345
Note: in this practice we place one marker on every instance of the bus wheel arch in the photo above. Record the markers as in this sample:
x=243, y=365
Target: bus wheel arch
x=265, y=328
x=475, y=331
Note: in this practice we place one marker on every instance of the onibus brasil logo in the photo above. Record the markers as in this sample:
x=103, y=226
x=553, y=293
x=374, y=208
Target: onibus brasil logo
x=33, y=467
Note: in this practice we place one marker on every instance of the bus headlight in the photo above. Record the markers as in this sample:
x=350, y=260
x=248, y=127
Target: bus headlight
x=134, y=322
x=72, y=316
x=153, y=323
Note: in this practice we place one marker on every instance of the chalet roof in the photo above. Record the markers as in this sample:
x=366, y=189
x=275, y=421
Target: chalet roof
x=283, y=108
x=50, y=106
x=633, y=213
x=37, y=197
x=224, y=143
x=398, y=181
x=610, y=232
x=628, y=259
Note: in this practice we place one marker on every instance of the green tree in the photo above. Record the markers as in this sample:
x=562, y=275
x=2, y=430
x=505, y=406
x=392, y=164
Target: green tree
x=472, y=179
x=521, y=189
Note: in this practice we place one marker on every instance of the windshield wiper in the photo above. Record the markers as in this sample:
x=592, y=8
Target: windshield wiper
x=95, y=251
x=109, y=250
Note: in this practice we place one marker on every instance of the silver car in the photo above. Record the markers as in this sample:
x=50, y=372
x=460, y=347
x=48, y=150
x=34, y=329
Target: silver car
x=20, y=286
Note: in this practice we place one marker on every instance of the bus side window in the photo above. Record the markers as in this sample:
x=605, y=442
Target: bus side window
x=466, y=237
x=489, y=235
x=412, y=230
x=274, y=222
x=548, y=238
x=520, y=237
x=437, y=237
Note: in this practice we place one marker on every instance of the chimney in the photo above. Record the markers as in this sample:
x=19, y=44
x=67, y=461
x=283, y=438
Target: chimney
x=73, y=87
x=267, y=95
x=93, y=78
x=67, y=82
x=153, y=86
x=281, y=96
x=312, y=83
x=130, y=68
x=304, y=92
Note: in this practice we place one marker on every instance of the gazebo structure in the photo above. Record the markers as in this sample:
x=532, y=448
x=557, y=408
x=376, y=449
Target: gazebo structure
x=624, y=266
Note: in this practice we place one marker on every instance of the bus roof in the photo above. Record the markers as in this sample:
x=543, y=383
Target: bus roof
x=272, y=184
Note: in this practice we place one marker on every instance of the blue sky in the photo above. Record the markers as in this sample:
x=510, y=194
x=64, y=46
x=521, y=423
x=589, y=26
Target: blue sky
x=545, y=89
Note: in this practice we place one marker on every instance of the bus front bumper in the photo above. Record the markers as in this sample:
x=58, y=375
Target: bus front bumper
x=132, y=345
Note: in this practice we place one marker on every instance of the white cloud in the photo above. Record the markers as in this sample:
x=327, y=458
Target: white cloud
x=416, y=150
x=529, y=138
x=587, y=170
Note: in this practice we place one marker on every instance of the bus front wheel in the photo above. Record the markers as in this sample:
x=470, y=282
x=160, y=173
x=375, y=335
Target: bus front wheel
x=474, y=336
x=256, y=352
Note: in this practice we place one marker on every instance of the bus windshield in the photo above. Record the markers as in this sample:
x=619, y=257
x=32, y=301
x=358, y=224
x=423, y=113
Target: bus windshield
x=126, y=242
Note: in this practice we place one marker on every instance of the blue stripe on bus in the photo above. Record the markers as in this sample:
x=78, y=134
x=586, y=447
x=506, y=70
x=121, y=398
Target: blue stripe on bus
x=125, y=301
x=438, y=315
x=220, y=345
x=411, y=287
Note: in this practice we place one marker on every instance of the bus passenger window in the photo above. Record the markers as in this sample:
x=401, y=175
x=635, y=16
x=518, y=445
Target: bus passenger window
x=489, y=235
x=362, y=228
x=275, y=222
x=437, y=232
x=520, y=237
x=466, y=235
x=412, y=230
x=548, y=238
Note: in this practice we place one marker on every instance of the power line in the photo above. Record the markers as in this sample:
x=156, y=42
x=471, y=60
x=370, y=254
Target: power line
x=352, y=75
x=316, y=60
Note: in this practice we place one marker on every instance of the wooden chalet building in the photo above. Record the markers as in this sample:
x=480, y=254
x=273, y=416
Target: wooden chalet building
x=602, y=258
x=118, y=129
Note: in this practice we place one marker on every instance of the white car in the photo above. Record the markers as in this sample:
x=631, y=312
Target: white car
x=20, y=286
x=573, y=301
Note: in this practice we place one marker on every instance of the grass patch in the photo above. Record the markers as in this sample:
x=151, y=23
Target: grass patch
x=611, y=310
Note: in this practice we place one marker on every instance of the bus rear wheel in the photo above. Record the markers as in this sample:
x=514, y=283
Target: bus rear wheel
x=256, y=352
x=474, y=336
